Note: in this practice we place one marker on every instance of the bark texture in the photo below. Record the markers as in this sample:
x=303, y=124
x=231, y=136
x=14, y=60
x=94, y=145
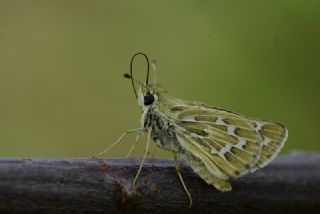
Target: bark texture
x=290, y=184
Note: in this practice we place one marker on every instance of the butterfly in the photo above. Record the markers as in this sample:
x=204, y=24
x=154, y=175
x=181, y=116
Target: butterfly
x=217, y=144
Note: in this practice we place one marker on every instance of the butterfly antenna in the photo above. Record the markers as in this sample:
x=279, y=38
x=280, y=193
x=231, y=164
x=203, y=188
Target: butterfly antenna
x=130, y=76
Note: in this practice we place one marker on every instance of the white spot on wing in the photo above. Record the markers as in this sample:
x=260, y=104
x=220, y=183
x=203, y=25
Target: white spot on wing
x=213, y=151
x=241, y=143
x=220, y=121
x=225, y=149
x=259, y=126
x=266, y=141
x=231, y=130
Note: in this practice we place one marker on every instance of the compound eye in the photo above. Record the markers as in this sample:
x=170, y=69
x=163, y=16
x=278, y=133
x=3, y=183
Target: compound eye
x=148, y=99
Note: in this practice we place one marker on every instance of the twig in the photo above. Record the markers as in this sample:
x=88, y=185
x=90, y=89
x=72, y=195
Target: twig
x=290, y=184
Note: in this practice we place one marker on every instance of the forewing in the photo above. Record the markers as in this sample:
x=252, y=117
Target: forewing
x=232, y=143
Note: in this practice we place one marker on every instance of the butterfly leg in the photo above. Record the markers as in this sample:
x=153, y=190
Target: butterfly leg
x=176, y=162
x=139, y=130
x=143, y=159
x=134, y=145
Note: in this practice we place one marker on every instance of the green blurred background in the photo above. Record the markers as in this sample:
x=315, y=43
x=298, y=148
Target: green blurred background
x=62, y=93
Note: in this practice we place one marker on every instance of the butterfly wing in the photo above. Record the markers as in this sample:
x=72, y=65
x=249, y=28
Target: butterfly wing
x=220, y=144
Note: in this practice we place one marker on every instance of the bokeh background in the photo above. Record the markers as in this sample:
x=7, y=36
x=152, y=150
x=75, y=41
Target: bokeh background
x=62, y=93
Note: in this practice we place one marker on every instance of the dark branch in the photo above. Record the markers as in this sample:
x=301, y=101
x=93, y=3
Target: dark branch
x=290, y=184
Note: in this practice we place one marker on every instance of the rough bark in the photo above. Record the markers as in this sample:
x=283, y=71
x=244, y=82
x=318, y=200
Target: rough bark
x=290, y=184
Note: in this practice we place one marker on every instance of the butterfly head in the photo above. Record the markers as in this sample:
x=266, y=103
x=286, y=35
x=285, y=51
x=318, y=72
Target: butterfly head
x=147, y=95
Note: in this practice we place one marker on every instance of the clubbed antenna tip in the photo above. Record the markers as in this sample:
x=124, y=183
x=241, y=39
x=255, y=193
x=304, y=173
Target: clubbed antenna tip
x=128, y=76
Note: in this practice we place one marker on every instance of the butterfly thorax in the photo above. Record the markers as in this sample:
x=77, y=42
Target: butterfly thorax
x=162, y=130
x=153, y=117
